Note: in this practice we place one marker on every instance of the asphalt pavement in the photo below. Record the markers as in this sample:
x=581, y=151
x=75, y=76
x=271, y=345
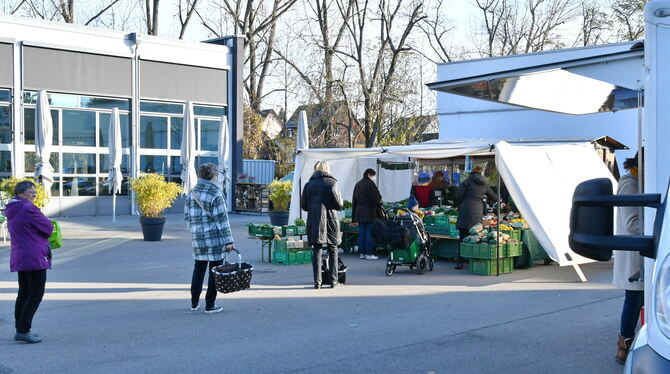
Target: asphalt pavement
x=117, y=304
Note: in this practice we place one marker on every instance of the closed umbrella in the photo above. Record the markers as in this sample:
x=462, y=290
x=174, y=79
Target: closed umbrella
x=114, y=177
x=188, y=175
x=224, y=153
x=44, y=172
x=301, y=142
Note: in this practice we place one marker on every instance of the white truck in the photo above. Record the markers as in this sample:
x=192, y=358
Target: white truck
x=650, y=352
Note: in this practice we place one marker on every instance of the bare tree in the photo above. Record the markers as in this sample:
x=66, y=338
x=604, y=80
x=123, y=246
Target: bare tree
x=66, y=11
x=151, y=16
x=629, y=19
x=595, y=24
x=534, y=25
x=377, y=78
x=257, y=21
x=184, y=20
x=437, y=29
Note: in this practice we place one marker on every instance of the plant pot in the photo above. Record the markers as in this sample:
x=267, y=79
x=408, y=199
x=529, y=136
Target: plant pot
x=279, y=218
x=152, y=228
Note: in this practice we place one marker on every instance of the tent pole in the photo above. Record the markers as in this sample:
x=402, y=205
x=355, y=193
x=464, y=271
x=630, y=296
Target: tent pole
x=498, y=228
x=581, y=275
x=300, y=194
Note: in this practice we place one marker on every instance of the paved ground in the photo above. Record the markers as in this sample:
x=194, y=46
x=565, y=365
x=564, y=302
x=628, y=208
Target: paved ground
x=117, y=304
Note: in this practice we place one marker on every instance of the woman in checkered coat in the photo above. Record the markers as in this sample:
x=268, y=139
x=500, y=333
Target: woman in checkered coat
x=207, y=215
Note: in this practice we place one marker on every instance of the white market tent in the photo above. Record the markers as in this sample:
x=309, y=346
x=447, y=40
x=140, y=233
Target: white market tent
x=540, y=175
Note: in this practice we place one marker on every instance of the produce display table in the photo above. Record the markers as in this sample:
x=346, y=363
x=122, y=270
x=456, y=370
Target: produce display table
x=444, y=246
x=266, y=242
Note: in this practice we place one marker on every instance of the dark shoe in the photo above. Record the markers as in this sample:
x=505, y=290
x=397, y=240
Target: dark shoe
x=459, y=266
x=622, y=348
x=28, y=338
x=317, y=286
x=215, y=309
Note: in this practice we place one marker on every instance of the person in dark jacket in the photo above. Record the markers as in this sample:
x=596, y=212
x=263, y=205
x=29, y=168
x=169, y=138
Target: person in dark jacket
x=438, y=189
x=366, y=207
x=469, y=199
x=321, y=200
x=30, y=256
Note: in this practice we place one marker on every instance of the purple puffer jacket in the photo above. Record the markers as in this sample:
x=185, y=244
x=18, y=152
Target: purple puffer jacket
x=29, y=231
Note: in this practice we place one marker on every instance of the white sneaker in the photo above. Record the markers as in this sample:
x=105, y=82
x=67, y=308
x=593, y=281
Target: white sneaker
x=371, y=257
x=363, y=256
x=193, y=309
x=216, y=309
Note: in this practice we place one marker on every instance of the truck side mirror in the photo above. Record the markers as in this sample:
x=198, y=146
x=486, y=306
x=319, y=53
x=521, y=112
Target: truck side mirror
x=592, y=221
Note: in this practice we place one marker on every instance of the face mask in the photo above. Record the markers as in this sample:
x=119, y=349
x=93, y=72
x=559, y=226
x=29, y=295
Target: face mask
x=373, y=178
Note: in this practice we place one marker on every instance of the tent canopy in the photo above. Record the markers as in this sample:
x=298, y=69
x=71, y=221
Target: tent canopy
x=540, y=175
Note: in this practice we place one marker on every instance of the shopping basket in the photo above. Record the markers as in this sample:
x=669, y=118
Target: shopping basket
x=232, y=277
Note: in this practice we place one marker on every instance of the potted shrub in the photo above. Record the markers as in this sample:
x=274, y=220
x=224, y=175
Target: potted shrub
x=7, y=186
x=153, y=195
x=280, y=196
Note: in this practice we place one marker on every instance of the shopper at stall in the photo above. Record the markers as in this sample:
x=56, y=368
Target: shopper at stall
x=470, y=201
x=206, y=213
x=366, y=207
x=30, y=256
x=438, y=189
x=321, y=200
x=627, y=263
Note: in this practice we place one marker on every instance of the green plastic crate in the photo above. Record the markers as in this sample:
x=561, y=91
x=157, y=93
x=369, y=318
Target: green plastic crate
x=406, y=255
x=513, y=249
x=429, y=220
x=483, y=251
x=489, y=267
x=307, y=257
x=286, y=258
x=468, y=249
x=347, y=213
x=261, y=231
x=441, y=220
x=279, y=245
x=513, y=234
x=301, y=230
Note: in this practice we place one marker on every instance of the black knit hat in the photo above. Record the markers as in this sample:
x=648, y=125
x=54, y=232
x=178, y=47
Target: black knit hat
x=630, y=162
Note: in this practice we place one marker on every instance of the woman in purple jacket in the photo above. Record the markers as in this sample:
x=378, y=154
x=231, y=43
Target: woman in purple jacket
x=30, y=256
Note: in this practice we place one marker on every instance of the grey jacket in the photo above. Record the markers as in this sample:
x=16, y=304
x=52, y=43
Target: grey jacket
x=469, y=199
x=321, y=199
x=627, y=263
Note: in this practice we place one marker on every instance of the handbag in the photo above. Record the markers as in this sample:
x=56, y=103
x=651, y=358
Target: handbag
x=56, y=238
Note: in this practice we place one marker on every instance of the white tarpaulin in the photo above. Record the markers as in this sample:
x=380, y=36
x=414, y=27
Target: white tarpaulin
x=542, y=179
x=188, y=176
x=44, y=172
x=348, y=164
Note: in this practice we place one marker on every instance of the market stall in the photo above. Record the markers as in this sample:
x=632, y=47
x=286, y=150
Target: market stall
x=540, y=175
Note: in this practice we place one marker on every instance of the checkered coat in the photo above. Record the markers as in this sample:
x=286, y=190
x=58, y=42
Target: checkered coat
x=210, y=229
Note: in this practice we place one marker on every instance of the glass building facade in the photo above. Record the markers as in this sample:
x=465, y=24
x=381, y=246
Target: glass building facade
x=150, y=94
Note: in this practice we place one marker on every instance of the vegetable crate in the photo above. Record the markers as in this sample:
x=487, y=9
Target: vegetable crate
x=513, y=234
x=301, y=230
x=490, y=267
x=406, y=255
x=482, y=251
x=441, y=221
x=288, y=257
x=261, y=230
x=513, y=249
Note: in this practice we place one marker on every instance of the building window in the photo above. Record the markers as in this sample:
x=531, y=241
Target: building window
x=78, y=128
x=153, y=132
x=5, y=162
x=125, y=129
x=29, y=125
x=153, y=164
x=5, y=124
x=80, y=155
x=209, y=135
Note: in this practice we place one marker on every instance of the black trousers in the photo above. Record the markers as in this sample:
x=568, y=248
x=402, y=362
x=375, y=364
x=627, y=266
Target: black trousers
x=199, y=270
x=317, y=259
x=31, y=291
x=462, y=233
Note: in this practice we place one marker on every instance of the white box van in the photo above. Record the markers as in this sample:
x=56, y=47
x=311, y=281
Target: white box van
x=650, y=352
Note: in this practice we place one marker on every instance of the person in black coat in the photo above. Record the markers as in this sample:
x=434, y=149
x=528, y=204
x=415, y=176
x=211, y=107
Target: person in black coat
x=470, y=201
x=321, y=200
x=366, y=207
